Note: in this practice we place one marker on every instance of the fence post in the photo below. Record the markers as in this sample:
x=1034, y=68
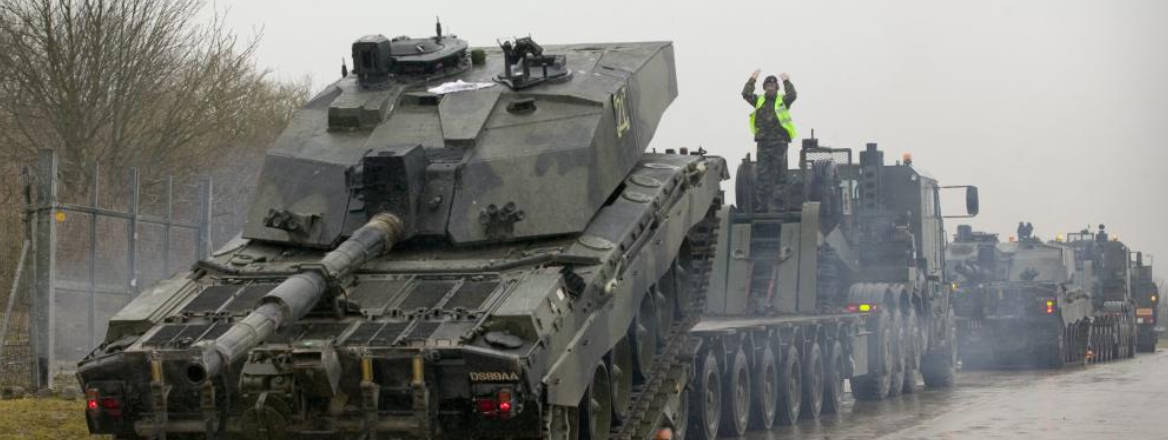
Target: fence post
x=43, y=332
x=203, y=243
x=166, y=227
x=132, y=233
x=93, y=255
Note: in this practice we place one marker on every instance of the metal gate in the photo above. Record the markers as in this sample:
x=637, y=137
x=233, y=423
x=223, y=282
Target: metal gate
x=84, y=262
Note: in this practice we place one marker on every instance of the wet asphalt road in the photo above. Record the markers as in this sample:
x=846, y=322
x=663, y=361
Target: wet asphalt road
x=1125, y=399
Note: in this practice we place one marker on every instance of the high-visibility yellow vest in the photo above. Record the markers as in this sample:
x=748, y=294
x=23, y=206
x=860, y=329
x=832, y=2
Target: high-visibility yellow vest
x=780, y=112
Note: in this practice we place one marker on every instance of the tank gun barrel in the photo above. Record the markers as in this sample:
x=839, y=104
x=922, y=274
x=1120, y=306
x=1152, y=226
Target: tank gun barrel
x=295, y=297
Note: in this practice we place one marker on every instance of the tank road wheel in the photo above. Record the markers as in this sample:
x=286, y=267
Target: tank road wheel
x=833, y=379
x=596, y=408
x=790, y=388
x=737, y=397
x=875, y=384
x=644, y=336
x=812, y=383
x=939, y=366
x=912, y=350
x=667, y=303
x=707, y=398
x=898, y=343
x=622, y=379
x=766, y=391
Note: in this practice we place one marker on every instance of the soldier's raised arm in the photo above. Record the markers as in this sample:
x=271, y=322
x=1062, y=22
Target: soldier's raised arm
x=788, y=90
x=748, y=89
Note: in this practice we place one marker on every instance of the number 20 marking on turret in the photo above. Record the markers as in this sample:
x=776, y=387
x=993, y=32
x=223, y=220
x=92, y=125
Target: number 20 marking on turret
x=620, y=112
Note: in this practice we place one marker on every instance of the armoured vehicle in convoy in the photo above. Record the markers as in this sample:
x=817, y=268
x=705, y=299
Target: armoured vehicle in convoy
x=447, y=242
x=1146, y=295
x=453, y=242
x=846, y=282
x=1033, y=303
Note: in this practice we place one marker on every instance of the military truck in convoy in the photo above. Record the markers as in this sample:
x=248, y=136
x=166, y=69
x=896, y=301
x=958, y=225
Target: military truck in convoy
x=447, y=242
x=1027, y=302
x=846, y=282
x=1146, y=295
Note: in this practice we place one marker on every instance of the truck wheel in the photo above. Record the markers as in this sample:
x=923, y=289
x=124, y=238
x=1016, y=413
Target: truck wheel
x=912, y=350
x=833, y=379
x=707, y=398
x=790, y=388
x=898, y=353
x=875, y=384
x=737, y=397
x=622, y=379
x=596, y=409
x=940, y=365
x=812, y=383
x=766, y=391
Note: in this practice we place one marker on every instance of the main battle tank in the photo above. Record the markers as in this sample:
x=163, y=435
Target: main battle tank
x=540, y=259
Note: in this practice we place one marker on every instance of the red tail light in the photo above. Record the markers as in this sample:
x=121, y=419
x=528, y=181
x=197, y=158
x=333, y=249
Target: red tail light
x=111, y=406
x=91, y=399
x=486, y=406
x=1049, y=307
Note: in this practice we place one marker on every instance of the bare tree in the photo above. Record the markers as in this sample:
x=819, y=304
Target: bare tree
x=124, y=81
x=148, y=83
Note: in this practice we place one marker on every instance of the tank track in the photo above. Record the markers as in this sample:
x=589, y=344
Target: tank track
x=649, y=399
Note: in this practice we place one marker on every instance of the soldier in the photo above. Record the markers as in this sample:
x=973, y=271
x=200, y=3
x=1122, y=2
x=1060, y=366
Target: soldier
x=773, y=131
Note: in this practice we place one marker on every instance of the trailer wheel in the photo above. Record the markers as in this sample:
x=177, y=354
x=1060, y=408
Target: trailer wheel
x=899, y=340
x=790, y=388
x=766, y=391
x=875, y=384
x=912, y=350
x=940, y=365
x=622, y=379
x=737, y=397
x=707, y=401
x=833, y=379
x=596, y=408
x=812, y=383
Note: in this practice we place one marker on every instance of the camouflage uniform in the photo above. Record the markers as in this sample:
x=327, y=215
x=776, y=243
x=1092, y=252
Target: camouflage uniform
x=772, y=140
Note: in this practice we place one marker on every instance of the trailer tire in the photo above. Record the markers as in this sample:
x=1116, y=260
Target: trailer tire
x=766, y=390
x=706, y=412
x=833, y=379
x=875, y=384
x=940, y=365
x=899, y=339
x=790, y=388
x=912, y=351
x=812, y=383
x=736, y=416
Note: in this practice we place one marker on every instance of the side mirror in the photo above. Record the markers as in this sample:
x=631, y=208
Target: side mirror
x=971, y=201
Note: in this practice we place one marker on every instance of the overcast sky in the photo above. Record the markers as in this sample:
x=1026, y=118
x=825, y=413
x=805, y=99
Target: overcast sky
x=1053, y=108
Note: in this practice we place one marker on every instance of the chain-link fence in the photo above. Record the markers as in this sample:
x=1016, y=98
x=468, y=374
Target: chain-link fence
x=93, y=246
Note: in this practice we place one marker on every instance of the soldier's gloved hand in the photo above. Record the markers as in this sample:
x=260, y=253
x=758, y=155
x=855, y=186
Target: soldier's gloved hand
x=755, y=74
x=783, y=76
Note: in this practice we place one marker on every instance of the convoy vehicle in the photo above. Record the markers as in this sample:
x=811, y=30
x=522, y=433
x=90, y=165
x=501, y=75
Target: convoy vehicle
x=474, y=243
x=847, y=283
x=1027, y=302
x=1146, y=295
